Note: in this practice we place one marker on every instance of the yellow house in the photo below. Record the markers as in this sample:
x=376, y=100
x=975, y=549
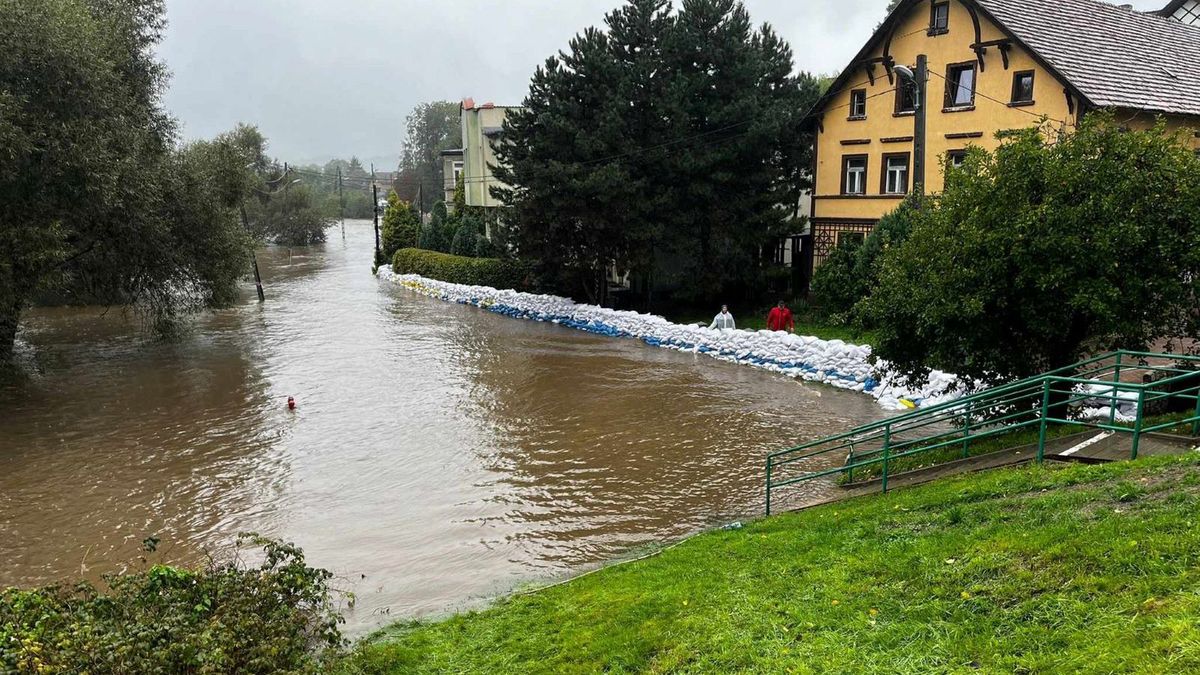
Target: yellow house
x=992, y=65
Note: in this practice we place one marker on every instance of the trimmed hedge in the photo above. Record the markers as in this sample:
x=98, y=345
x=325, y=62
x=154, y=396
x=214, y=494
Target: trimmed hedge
x=456, y=269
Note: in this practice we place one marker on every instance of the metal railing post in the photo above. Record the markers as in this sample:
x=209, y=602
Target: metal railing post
x=1196, y=422
x=768, y=486
x=887, y=449
x=967, y=429
x=850, y=472
x=1112, y=403
x=1137, y=424
x=1041, y=451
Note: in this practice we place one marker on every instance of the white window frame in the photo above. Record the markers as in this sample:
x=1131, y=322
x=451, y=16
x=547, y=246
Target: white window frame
x=896, y=176
x=856, y=177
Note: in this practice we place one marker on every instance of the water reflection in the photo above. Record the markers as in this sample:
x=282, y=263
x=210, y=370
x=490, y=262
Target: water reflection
x=439, y=453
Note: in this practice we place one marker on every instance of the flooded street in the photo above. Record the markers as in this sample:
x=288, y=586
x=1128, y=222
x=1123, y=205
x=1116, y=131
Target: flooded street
x=439, y=453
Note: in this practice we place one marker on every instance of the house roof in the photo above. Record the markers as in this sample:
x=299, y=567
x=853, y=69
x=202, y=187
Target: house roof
x=1112, y=55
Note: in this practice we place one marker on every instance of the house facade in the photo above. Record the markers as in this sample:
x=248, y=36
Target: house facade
x=993, y=66
x=452, y=171
x=482, y=126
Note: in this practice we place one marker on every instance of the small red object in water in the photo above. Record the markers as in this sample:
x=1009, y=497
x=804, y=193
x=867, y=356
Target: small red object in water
x=291, y=403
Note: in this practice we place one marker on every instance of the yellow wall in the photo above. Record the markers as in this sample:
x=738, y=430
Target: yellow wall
x=988, y=116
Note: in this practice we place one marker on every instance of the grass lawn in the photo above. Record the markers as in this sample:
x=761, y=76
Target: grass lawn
x=1090, y=569
x=806, y=324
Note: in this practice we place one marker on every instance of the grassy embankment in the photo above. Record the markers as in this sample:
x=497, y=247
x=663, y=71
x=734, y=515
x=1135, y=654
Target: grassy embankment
x=1054, y=569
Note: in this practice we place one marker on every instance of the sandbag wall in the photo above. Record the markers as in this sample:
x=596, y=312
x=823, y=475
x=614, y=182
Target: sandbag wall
x=831, y=362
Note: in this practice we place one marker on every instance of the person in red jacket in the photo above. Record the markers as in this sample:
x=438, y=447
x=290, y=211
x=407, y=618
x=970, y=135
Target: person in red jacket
x=780, y=318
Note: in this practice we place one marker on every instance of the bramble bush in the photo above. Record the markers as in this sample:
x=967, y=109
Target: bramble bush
x=278, y=617
x=495, y=272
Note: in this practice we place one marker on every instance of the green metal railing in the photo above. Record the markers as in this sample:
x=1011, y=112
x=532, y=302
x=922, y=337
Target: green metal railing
x=950, y=431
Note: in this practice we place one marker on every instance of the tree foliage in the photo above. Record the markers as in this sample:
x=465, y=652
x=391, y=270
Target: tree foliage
x=278, y=617
x=401, y=226
x=1044, y=252
x=852, y=272
x=95, y=199
x=663, y=144
x=430, y=128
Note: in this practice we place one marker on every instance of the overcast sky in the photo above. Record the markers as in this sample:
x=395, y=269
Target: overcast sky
x=326, y=78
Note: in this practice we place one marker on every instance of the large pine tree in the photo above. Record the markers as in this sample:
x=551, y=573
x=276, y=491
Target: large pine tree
x=665, y=145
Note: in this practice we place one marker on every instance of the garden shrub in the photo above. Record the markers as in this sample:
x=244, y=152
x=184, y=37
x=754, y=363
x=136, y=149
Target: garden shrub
x=494, y=272
x=277, y=617
x=401, y=226
x=852, y=272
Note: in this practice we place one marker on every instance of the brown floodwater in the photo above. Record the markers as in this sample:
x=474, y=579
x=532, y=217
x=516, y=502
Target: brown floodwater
x=439, y=454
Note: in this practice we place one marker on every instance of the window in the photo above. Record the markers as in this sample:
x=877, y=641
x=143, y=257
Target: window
x=458, y=169
x=854, y=175
x=1188, y=12
x=906, y=98
x=939, y=18
x=955, y=158
x=960, y=85
x=849, y=239
x=858, y=104
x=895, y=174
x=1022, y=93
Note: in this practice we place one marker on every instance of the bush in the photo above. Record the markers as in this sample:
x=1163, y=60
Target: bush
x=494, y=272
x=277, y=617
x=852, y=272
x=401, y=226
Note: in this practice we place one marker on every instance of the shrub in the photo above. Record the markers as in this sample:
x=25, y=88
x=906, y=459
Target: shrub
x=228, y=617
x=494, y=272
x=401, y=226
x=851, y=273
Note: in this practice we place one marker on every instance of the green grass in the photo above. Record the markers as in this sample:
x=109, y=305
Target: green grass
x=1089, y=569
x=806, y=324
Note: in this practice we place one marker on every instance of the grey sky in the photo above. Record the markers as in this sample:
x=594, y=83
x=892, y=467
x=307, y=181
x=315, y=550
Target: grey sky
x=326, y=78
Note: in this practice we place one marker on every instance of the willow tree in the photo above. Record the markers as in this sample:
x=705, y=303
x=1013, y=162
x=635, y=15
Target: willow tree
x=94, y=196
x=662, y=144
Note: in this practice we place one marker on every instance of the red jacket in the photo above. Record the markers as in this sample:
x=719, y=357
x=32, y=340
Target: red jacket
x=780, y=319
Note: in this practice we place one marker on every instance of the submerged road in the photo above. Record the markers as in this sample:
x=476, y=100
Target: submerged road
x=439, y=454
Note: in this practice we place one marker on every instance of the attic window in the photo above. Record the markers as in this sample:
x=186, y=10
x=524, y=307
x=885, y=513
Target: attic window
x=1022, y=92
x=858, y=104
x=939, y=18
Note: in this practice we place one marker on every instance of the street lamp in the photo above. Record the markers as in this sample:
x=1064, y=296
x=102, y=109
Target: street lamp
x=918, y=78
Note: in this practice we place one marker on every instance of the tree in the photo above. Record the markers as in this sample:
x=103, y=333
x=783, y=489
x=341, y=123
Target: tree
x=430, y=128
x=1044, y=252
x=852, y=272
x=663, y=145
x=401, y=227
x=93, y=195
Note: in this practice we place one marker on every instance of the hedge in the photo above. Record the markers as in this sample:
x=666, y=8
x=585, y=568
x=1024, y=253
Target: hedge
x=494, y=272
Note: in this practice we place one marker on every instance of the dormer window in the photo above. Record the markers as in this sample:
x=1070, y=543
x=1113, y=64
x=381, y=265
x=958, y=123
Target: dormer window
x=939, y=18
x=858, y=104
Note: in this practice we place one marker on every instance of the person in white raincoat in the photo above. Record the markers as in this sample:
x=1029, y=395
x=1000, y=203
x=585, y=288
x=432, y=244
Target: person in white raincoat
x=724, y=319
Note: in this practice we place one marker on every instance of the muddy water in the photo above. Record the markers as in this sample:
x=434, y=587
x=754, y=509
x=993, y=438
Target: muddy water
x=440, y=454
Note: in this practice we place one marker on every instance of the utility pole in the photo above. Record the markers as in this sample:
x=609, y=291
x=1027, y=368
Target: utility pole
x=341, y=203
x=922, y=101
x=375, y=210
x=253, y=257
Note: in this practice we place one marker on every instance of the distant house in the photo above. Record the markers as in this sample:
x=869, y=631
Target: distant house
x=994, y=65
x=482, y=126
